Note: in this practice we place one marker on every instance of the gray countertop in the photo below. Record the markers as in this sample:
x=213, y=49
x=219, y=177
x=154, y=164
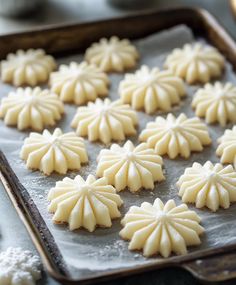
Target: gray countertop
x=12, y=231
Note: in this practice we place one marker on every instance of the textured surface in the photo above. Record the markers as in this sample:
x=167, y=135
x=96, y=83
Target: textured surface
x=19, y=266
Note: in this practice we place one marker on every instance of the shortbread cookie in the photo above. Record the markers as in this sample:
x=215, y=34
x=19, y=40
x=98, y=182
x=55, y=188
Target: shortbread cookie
x=19, y=267
x=208, y=185
x=31, y=108
x=160, y=228
x=84, y=203
x=79, y=83
x=227, y=147
x=151, y=89
x=216, y=102
x=112, y=54
x=29, y=67
x=196, y=63
x=129, y=166
x=54, y=152
x=105, y=121
x=176, y=136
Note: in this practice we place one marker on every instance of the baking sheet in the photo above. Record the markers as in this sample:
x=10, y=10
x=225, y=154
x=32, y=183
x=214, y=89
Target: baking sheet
x=87, y=254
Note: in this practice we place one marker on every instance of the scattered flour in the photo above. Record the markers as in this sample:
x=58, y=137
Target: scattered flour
x=19, y=267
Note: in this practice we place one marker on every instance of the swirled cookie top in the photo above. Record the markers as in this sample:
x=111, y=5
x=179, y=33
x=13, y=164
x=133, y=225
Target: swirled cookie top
x=151, y=89
x=79, y=83
x=29, y=67
x=208, y=185
x=176, y=135
x=31, y=108
x=130, y=166
x=195, y=62
x=84, y=203
x=161, y=228
x=55, y=151
x=216, y=102
x=112, y=54
x=105, y=121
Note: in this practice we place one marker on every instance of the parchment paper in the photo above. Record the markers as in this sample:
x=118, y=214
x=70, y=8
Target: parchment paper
x=87, y=254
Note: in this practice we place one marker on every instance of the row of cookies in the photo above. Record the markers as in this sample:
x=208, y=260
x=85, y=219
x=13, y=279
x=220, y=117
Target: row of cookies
x=124, y=166
x=148, y=89
x=156, y=228
x=37, y=108
x=172, y=136
x=33, y=67
x=108, y=121
x=194, y=62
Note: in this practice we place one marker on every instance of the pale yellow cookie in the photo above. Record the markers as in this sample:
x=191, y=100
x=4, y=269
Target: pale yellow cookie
x=227, y=147
x=105, y=121
x=31, y=108
x=29, y=67
x=129, y=166
x=176, y=136
x=196, y=63
x=161, y=228
x=84, y=203
x=112, y=54
x=208, y=185
x=54, y=152
x=79, y=83
x=151, y=89
x=216, y=102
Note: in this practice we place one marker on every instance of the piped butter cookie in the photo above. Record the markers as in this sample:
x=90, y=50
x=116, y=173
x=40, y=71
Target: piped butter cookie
x=29, y=67
x=135, y=167
x=176, y=135
x=151, y=89
x=79, y=83
x=31, y=108
x=216, y=102
x=161, y=228
x=208, y=185
x=84, y=203
x=195, y=63
x=112, y=54
x=55, y=151
x=105, y=121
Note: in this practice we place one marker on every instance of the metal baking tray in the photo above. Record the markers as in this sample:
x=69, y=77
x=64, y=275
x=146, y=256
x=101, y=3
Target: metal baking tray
x=214, y=263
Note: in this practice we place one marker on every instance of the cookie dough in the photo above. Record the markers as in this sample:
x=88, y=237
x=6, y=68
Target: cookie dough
x=227, y=147
x=195, y=63
x=29, y=67
x=161, y=228
x=79, y=83
x=151, y=89
x=208, y=185
x=129, y=166
x=105, y=121
x=31, y=108
x=84, y=203
x=176, y=136
x=112, y=54
x=216, y=102
x=54, y=152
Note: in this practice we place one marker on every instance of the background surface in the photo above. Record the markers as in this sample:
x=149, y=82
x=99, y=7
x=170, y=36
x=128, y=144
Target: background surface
x=12, y=231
